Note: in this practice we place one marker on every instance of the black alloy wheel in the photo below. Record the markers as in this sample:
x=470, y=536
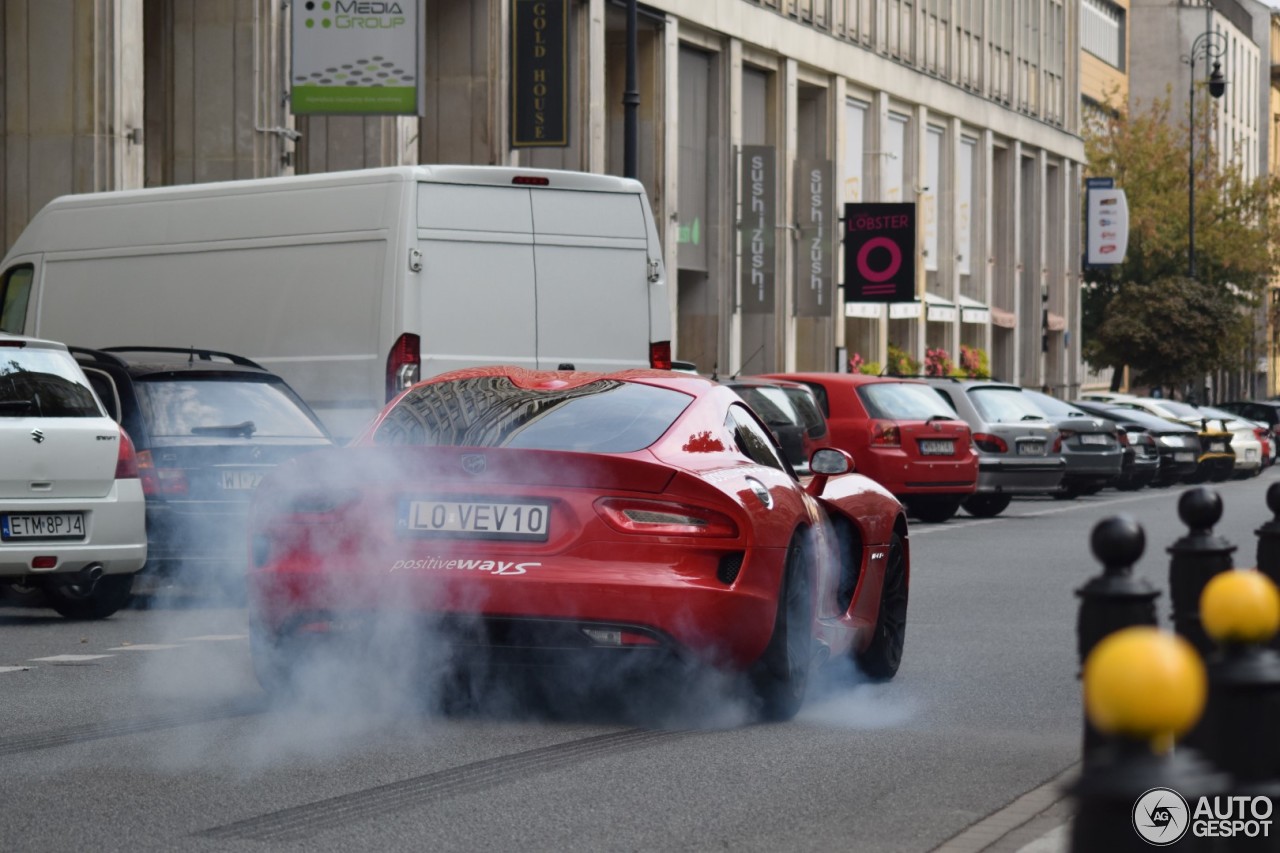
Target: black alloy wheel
x=986, y=506
x=883, y=656
x=781, y=676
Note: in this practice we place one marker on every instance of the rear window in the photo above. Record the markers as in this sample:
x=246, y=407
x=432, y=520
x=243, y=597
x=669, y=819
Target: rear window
x=43, y=383
x=807, y=408
x=1055, y=407
x=903, y=401
x=227, y=408
x=1004, y=405
x=1178, y=409
x=491, y=411
x=770, y=403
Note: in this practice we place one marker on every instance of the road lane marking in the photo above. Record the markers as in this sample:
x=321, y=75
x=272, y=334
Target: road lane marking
x=144, y=647
x=1074, y=507
x=16, y=668
x=70, y=658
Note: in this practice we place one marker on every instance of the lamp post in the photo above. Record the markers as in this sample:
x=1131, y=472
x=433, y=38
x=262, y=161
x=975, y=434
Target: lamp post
x=1208, y=45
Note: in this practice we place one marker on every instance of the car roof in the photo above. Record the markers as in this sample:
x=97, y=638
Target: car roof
x=145, y=361
x=842, y=378
x=1124, y=414
x=762, y=382
x=523, y=377
x=7, y=339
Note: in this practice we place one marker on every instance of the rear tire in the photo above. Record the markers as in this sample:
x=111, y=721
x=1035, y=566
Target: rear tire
x=986, y=506
x=109, y=594
x=933, y=510
x=883, y=656
x=781, y=676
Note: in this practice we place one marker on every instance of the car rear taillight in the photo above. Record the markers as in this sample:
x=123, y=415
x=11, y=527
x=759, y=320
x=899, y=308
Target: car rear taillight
x=885, y=434
x=404, y=364
x=1259, y=433
x=663, y=518
x=159, y=482
x=126, y=458
x=660, y=355
x=1057, y=442
x=1122, y=437
x=527, y=180
x=990, y=443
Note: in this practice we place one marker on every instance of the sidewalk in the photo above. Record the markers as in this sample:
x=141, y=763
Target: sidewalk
x=1036, y=822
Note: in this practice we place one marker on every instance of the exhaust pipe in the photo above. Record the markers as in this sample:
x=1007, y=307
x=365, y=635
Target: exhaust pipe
x=88, y=577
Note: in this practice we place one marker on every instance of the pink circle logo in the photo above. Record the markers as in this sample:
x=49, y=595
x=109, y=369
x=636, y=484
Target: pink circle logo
x=895, y=259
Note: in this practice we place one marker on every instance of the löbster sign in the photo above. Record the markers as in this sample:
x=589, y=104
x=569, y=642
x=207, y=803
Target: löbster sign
x=880, y=252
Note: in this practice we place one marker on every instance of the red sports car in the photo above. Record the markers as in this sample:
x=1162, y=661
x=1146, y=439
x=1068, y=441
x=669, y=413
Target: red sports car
x=545, y=515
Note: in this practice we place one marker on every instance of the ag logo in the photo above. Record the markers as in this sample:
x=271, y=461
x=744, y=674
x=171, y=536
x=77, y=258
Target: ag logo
x=1161, y=817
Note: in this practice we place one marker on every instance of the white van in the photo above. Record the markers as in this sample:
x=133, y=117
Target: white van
x=350, y=285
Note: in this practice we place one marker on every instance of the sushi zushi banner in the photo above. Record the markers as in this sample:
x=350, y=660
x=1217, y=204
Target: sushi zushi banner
x=357, y=57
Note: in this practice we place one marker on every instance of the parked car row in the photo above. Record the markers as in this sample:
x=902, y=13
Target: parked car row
x=939, y=444
x=189, y=434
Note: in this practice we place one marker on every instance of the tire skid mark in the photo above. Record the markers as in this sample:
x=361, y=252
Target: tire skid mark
x=120, y=728
x=302, y=822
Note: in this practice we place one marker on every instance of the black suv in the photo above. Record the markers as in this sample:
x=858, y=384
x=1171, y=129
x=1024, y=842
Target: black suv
x=207, y=426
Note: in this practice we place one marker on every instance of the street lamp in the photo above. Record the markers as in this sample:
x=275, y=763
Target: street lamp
x=1209, y=45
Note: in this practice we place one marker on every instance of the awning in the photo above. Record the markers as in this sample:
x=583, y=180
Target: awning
x=973, y=311
x=1057, y=322
x=870, y=310
x=937, y=309
x=1002, y=318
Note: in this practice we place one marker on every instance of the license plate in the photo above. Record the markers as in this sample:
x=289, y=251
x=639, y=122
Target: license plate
x=1093, y=438
x=476, y=519
x=1031, y=448
x=937, y=447
x=1250, y=453
x=241, y=480
x=42, y=525
x=1217, y=447
x=1184, y=457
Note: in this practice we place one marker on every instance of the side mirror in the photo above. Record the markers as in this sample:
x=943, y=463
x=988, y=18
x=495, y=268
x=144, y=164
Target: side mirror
x=825, y=463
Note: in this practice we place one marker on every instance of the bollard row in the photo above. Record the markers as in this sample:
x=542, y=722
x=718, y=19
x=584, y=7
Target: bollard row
x=1212, y=687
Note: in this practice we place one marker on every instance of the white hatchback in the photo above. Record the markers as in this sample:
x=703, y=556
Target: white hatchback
x=72, y=512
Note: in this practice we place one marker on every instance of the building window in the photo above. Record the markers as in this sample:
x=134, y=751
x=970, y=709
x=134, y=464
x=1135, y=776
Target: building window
x=1102, y=31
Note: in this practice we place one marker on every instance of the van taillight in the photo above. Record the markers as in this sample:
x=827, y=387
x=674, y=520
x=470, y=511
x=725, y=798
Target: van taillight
x=160, y=481
x=404, y=364
x=530, y=181
x=660, y=355
x=126, y=459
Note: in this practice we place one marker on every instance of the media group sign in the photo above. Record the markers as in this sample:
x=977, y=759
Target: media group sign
x=880, y=252
x=356, y=57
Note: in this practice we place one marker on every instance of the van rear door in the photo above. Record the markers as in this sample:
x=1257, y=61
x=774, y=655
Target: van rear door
x=591, y=260
x=475, y=304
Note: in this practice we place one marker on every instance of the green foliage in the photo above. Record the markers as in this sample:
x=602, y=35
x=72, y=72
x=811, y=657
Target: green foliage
x=870, y=368
x=902, y=364
x=1172, y=329
x=1187, y=327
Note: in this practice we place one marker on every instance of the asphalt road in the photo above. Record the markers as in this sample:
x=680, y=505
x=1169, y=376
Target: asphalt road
x=147, y=732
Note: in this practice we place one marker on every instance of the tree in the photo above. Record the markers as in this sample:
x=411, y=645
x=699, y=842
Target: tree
x=1146, y=312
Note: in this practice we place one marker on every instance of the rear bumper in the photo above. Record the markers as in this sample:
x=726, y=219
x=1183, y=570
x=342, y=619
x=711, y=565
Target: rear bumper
x=1093, y=467
x=115, y=535
x=1020, y=476
x=902, y=474
x=541, y=611
x=202, y=538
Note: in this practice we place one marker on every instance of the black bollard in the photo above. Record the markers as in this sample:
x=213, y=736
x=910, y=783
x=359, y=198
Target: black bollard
x=1121, y=806
x=1114, y=599
x=1269, y=537
x=1196, y=558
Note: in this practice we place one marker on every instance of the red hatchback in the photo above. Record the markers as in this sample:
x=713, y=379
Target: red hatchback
x=902, y=435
